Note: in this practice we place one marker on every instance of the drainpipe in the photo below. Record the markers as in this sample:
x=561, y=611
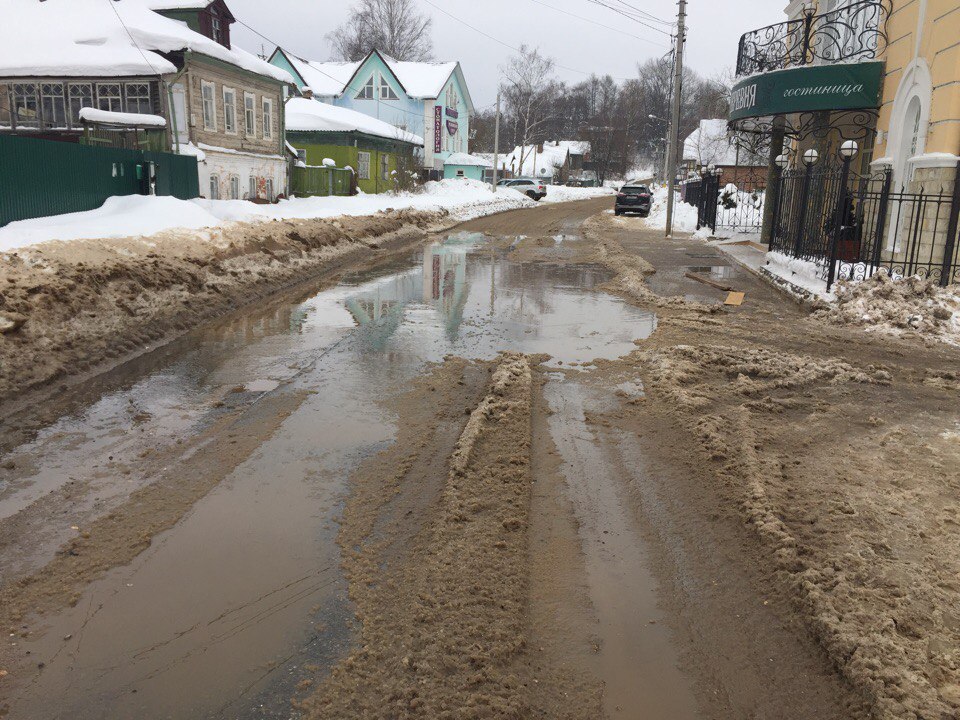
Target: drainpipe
x=173, y=110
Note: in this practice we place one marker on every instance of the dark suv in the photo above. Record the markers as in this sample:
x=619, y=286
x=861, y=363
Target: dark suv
x=633, y=198
x=534, y=189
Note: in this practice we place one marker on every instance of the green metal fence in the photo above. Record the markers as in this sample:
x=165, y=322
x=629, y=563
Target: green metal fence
x=44, y=177
x=319, y=180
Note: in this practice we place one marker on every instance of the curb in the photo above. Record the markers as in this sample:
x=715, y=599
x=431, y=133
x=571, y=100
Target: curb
x=789, y=290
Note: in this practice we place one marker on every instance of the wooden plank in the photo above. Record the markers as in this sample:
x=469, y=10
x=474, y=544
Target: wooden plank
x=734, y=298
x=707, y=281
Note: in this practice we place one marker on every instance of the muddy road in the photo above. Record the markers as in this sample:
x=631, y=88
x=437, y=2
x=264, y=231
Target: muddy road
x=527, y=469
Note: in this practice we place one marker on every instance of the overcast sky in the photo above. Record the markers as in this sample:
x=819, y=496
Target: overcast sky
x=580, y=46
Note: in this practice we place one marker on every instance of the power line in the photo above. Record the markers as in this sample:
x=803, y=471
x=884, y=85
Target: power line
x=644, y=13
x=630, y=17
x=594, y=22
x=505, y=44
x=113, y=6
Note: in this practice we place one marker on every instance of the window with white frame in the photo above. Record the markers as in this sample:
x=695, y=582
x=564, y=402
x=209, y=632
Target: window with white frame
x=208, y=93
x=53, y=105
x=214, y=187
x=26, y=109
x=366, y=92
x=138, y=98
x=268, y=185
x=363, y=160
x=80, y=95
x=267, y=119
x=250, y=114
x=234, y=187
x=229, y=110
x=109, y=97
x=386, y=92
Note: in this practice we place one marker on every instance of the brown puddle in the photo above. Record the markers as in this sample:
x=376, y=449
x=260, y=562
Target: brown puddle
x=219, y=616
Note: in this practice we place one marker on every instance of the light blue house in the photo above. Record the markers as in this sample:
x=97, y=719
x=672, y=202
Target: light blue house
x=429, y=99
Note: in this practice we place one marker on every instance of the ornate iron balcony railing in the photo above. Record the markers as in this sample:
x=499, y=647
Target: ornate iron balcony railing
x=855, y=32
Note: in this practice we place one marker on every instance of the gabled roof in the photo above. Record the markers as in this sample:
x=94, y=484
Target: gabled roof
x=537, y=163
x=82, y=38
x=303, y=114
x=420, y=80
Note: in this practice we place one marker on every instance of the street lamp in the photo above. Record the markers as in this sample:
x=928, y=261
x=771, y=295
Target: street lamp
x=810, y=157
x=849, y=150
x=782, y=161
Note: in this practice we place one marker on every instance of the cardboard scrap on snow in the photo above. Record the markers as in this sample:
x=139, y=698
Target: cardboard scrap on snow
x=734, y=298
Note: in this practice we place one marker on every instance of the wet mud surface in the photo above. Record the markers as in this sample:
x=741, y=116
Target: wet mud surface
x=528, y=469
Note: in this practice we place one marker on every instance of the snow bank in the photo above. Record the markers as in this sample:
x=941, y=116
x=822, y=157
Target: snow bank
x=562, y=193
x=884, y=304
x=684, y=216
x=134, y=215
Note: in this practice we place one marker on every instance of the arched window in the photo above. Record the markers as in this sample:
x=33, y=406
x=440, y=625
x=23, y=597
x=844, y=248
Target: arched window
x=909, y=120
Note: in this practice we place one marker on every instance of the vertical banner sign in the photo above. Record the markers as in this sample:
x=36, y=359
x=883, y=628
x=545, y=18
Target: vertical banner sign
x=437, y=128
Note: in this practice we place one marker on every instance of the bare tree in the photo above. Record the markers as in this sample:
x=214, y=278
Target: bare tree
x=528, y=88
x=394, y=27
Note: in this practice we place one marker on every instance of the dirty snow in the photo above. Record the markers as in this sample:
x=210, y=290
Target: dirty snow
x=562, y=193
x=684, y=216
x=134, y=215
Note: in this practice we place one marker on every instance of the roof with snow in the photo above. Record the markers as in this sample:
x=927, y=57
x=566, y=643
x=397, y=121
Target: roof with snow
x=537, y=163
x=710, y=144
x=121, y=119
x=81, y=38
x=467, y=159
x=421, y=80
x=576, y=147
x=308, y=115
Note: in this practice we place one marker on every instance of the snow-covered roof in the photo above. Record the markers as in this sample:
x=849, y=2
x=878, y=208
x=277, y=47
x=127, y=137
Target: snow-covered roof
x=178, y=4
x=324, y=78
x=122, y=119
x=312, y=115
x=467, y=159
x=421, y=79
x=537, y=163
x=576, y=147
x=709, y=144
x=81, y=38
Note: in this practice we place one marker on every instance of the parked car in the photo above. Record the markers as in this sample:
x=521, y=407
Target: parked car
x=530, y=187
x=633, y=198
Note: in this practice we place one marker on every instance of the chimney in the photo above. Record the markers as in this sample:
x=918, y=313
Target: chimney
x=307, y=93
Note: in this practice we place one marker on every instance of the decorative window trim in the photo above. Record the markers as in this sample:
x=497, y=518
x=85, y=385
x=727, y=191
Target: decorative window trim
x=109, y=97
x=214, y=187
x=230, y=124
x=368, y=91
x=250, y=114
x=139, y=98
x=204, y=86
x=386, y=91
x=76, y=99
x=266, y=124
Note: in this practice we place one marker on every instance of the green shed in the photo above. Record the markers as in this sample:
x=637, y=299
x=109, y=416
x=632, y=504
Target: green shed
x=377, y=151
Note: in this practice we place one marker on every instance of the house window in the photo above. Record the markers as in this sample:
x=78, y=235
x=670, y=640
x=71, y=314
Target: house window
x=459, y=173
x=452, y=97
x=81, y=96
x=216, y=29
x=268, y=185
x=302, y=156
x=234, y=187
x=214, y=187
x=252, y=192
x=230, y=110
x=363, y=159
x=53, y=105
x=25, y=107
x=209, y=105
x=138, y=98
x=267, y=119
x=384, y=166
x=109, y=97
x=250, y=114
x=366, y=92
x=386, y=92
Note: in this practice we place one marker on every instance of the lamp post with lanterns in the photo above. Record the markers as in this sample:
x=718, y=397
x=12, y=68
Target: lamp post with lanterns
x=848, y=151
x=809, y=159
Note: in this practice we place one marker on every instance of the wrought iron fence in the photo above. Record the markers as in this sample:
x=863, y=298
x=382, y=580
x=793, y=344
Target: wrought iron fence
x=855, y=32
x=851, y=230
x=736, y=207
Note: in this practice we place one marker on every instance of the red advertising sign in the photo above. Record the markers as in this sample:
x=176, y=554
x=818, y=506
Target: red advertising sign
x=437, y=128
x=452, y=113
x=452, y=127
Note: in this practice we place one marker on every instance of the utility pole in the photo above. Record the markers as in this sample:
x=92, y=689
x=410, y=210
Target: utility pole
x=674, y=140
x=496, y=143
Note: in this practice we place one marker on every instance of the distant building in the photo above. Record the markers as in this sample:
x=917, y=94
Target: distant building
x=375, y=150
x=169, y=58
x=462, y=165
x=547, y=161
x=711, y=144
x=429, y=99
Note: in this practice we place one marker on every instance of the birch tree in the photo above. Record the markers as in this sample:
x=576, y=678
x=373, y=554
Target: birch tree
x=528, y=87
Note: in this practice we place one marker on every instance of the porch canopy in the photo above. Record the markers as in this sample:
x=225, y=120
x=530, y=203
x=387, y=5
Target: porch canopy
x=811, y=99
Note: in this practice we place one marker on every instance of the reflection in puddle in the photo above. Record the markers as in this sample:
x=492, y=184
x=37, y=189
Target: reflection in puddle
x=717, y=272
x=258, y=551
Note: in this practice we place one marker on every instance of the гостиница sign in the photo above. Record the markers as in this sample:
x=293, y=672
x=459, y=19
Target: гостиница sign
x=814, y=87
